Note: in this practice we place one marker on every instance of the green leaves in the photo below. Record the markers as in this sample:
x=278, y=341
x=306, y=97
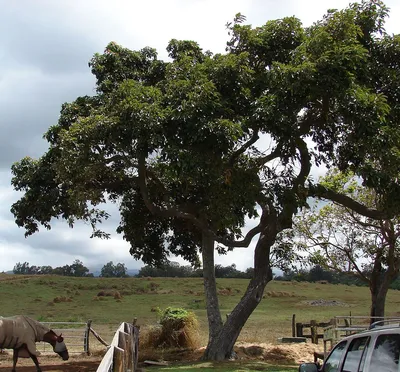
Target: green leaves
x=204, y=141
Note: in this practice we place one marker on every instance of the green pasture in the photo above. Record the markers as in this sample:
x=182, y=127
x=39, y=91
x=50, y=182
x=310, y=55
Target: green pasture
x=111, y=301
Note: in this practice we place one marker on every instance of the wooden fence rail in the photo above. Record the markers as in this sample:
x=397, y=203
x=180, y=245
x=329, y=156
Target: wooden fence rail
x=122, y=354
x=332, y=331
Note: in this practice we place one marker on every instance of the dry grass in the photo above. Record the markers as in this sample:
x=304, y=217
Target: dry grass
x=59, y=299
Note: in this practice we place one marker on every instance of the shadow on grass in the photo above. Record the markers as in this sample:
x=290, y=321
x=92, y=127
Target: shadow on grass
x=233, y=366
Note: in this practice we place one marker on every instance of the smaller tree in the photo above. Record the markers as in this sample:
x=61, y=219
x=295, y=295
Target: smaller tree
x=45, y=270
x=109, y=270
x=21, y=268
x=78, y=269
x=62, y=270
x=318, y=273
x=338, y=239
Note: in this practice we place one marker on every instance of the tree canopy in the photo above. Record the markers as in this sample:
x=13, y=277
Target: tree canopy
x=190, y=147
x=109, y=270
x=76, y=269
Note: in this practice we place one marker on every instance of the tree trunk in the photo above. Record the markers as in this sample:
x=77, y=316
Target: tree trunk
x=210, y=288
x=220, y=346
x=378, y=298
x=379, y=287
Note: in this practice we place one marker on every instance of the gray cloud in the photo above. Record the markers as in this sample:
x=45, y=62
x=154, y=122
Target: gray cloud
x=43, y=37
x=45, y=46
x=30, y=103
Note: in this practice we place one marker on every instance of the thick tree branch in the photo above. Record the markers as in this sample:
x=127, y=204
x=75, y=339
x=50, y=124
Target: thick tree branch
x=321, y=191
x=170, y=211
x=271, y=156
x=305, y=163
x=253, y=139
x=244, y=243
x=156, y=210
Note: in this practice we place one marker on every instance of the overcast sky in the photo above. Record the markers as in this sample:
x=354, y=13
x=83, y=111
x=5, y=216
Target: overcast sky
x=45, y=47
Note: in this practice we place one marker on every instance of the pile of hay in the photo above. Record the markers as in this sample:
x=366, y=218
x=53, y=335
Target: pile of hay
x=292, y=354
x=177, y=328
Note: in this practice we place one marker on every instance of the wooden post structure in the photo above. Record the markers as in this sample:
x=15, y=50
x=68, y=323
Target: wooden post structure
x=128, y=329
x=299, y=329
x=136, y=332
x=314, y=331
x=87, y=333
x=294, y=325
x=118, y=360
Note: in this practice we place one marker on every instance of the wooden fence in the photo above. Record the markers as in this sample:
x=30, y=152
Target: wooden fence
x=76, y=335
x=335, y=329
x=298, y=329
x=122, y=354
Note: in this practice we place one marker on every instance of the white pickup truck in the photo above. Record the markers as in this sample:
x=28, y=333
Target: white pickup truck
x=374, y=350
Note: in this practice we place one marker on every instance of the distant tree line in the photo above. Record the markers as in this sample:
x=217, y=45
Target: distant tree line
x=173, y=269
x=317, y=273
x=77, y=269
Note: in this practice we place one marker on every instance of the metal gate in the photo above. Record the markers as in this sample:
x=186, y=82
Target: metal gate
x=76, y=335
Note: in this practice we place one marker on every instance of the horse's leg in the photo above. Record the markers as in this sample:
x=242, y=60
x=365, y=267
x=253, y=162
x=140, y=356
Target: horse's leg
x=15, y=359
x=35, y=360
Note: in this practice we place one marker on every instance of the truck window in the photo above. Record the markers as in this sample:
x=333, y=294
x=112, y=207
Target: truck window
x=385, y=356
x=332, y=363
x=355, y=356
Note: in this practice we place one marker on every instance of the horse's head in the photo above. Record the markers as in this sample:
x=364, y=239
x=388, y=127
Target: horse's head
x=58, y=344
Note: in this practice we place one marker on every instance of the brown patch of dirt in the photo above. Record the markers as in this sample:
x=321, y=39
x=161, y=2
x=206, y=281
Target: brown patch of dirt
x=51, y=364
x=285, y=354
x=278, y=353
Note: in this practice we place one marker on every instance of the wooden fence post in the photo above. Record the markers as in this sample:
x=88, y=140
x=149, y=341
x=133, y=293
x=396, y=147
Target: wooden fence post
x=294, y=325
x=118, y=360
x=128, y=329
x=299, y=329
x=122, y=355
x=87, y=333
x=314, y=331
x=136, y=332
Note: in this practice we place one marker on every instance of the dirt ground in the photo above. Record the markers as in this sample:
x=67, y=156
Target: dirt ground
x=52, y=364
x=285, y=354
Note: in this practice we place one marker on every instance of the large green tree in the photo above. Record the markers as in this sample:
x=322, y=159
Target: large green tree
x=190, y=147
x=341, y=240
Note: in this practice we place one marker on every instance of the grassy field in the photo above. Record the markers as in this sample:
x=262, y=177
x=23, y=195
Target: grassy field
x=111, y=301
x=108, y=302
